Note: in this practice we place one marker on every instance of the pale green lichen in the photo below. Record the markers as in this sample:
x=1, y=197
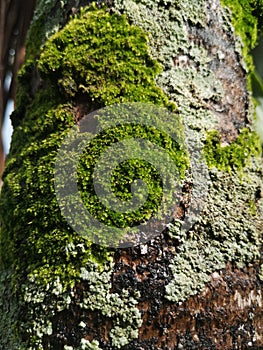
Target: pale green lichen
x=52, y=298
x=87, y=345
x=189, y=81
x=227, y=229
x=121, y=308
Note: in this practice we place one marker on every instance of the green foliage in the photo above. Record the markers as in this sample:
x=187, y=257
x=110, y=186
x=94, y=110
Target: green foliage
x=246, y=17
x=234, y=156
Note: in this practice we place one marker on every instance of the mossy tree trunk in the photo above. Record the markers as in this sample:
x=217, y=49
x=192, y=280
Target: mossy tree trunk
x=199, y=289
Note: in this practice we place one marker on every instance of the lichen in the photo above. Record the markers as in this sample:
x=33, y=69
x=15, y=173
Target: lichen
x=120, y=308
x=188, y=84
x=227, y=230
x=45, y=301
x=85, y=345
x=41, y=29
x=229, y=227
x=261, y=273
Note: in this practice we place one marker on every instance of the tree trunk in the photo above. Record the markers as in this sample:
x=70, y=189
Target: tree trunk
x=198, y=283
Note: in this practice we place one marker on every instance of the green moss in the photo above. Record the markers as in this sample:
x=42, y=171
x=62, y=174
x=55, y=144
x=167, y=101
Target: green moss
x=125, y=74
x=112, y=65
x=29, y=173
x=131, y=170
x=247, y=20
x=45, y=255
x=235, y=156
x=9, y=312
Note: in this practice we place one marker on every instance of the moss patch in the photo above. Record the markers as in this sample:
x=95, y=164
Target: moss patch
x=232, y=157
x=98, y=59
x=247, y=19
x=100, y=55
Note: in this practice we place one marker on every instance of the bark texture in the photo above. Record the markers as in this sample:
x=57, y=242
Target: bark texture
x=200, y=289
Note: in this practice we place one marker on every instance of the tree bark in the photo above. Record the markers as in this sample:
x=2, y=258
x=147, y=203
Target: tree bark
x=199, y=288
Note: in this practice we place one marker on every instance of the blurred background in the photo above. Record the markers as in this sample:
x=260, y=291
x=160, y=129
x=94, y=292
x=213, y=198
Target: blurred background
x=15, y=17
x=7, y=126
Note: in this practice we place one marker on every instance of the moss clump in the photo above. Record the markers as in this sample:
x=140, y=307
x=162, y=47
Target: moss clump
x=247, y=19
x=33, y=224
x=126, y=73
x=130, y=170
x=232, y=157
x=116, y=66
x=100, y=55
